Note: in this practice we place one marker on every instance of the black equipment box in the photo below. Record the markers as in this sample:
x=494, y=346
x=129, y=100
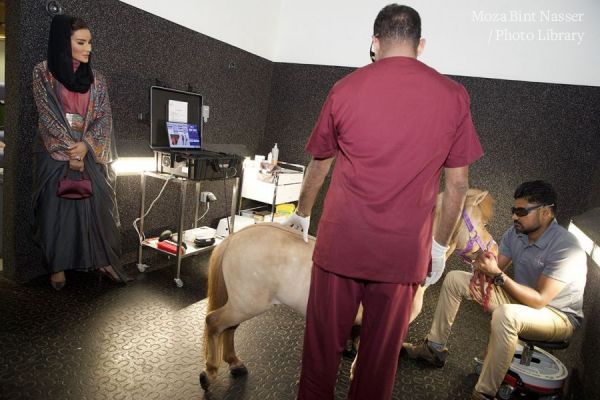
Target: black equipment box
x=180, y=151
x=199, y=166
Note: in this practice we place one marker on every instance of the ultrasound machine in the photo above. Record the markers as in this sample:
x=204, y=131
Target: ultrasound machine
x=176, y=129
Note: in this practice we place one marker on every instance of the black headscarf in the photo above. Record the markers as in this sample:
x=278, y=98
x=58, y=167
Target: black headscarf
x=60, y=59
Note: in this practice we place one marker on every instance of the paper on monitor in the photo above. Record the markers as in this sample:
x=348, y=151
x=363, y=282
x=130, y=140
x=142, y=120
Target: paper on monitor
x=178, y=111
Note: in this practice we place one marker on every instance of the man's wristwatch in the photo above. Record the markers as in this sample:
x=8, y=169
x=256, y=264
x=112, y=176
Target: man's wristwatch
x=499, y=279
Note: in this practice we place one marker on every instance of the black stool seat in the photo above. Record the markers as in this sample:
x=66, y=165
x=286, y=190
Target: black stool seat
x=527, y=353
x=563, y=344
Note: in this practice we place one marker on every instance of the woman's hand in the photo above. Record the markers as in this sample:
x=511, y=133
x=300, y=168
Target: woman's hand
x=77, y=152
x=76, y=165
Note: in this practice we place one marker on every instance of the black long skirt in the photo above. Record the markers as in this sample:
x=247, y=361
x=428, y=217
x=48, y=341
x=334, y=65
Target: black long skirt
x=75, y=234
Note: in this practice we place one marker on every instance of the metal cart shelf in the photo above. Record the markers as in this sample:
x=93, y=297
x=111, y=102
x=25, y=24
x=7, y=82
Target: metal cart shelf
x=181, y=251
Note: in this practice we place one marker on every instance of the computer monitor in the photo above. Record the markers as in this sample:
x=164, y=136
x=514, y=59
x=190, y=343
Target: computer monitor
x=179, y=110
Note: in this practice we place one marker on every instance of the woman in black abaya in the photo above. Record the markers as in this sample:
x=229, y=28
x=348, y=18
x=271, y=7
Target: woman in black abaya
x=74, y=136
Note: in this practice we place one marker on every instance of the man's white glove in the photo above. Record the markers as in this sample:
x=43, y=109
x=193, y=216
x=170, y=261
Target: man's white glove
x=300, y=223
x=438, y=262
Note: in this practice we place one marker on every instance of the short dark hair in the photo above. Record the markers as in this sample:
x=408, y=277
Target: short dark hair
x=398, y=23
x=539, y=192
x=77, y=24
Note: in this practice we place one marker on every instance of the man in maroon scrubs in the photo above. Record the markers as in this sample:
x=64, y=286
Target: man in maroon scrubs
x=393, y=126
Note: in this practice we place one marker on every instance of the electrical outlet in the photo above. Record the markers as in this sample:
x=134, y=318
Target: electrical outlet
x=206, y=197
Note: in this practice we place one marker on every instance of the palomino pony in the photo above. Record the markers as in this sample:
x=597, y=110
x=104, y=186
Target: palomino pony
x=267, y=264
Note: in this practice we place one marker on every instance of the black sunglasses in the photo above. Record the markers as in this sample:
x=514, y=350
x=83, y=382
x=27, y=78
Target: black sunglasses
x=524, y=211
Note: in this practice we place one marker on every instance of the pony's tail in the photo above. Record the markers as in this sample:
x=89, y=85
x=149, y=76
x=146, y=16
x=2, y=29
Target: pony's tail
x=217, y=291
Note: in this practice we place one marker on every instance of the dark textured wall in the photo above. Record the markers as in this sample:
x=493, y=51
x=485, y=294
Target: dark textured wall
x=134, y=49
x=297, y=94
x=528, y=130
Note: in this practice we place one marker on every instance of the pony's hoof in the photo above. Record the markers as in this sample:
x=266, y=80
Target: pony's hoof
x=238, y=371
x=204, y=380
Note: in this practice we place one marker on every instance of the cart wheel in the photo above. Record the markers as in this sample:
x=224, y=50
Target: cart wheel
x=505, y=392
x=178, y=282
x=142, y=267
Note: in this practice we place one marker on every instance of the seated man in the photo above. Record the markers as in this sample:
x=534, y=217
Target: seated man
x=542, y=302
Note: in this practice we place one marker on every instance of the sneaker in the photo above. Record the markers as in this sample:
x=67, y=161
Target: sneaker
x=422, y=351
x=480, y=396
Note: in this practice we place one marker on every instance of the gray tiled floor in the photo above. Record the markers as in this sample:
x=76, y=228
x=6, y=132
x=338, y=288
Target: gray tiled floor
x=97, y=340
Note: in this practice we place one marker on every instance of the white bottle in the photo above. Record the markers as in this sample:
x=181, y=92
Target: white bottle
x=274, y=154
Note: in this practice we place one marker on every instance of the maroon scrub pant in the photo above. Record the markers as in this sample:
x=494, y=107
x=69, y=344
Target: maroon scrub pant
x=332, y=306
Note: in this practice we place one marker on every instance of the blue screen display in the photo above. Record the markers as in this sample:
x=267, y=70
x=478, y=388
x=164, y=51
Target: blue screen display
x=183, y=136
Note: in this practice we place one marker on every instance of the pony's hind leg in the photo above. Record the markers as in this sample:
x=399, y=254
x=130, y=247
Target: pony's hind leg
x=218, y=336
x=212, y=348
x=236, y=365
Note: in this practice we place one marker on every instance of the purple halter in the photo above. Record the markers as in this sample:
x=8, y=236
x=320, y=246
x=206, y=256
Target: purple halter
x=473, y=238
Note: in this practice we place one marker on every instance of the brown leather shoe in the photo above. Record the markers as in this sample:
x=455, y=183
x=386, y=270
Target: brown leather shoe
x=115, y=274
x=110, y=273
x=422, y=351
x=57, y=280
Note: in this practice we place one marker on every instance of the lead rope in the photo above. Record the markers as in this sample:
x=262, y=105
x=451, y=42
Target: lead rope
x=479, y=281
x=486, y=287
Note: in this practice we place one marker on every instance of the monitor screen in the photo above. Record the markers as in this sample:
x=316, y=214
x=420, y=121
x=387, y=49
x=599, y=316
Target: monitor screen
x=183, y=135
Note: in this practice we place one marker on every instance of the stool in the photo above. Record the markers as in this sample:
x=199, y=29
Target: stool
x=534, y=372
x=532, y=344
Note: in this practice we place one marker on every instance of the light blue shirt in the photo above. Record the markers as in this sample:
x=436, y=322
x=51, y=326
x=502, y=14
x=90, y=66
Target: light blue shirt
x=556, y=254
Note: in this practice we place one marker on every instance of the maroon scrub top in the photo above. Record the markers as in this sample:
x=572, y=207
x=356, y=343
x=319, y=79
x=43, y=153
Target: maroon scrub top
x=393, y=126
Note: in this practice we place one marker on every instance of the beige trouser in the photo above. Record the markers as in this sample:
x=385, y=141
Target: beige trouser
x=509, y=320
